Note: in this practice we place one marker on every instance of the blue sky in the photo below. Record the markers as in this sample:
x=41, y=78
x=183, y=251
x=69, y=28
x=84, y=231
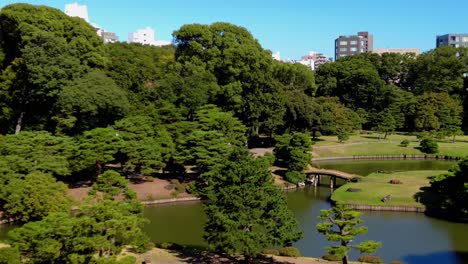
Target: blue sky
x=293, y=27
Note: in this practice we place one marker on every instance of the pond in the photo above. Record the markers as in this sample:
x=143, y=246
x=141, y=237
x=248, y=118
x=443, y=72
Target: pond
x=409, y=237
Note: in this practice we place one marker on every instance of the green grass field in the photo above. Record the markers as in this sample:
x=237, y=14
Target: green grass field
x=370, y=144
x=376, y=186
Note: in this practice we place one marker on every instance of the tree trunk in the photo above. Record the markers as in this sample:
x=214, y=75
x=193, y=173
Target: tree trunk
x=385, y=136
x=19, y=123
x=98, y=168
x=345, y=259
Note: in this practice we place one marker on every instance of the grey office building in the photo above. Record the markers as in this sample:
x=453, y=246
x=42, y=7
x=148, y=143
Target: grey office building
x=350, y=45
x=454, y=40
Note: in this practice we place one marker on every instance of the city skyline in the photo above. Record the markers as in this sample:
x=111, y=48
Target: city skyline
x=293, y=28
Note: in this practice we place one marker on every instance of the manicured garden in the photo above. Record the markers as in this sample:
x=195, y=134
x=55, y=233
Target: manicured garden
x=370, y=144
x=372, y=189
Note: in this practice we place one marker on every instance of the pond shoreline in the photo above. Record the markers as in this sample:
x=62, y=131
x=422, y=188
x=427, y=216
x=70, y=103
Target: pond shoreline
x=391, y=157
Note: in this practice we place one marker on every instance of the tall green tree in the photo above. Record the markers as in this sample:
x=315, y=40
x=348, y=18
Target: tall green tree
x=340, y=224
x=245, y=211
x=437, y=112
x=38, y=151
x=44, y=49
x=243, y=70
x=147, y=145
x=438, y=71
x=294, y=150
x=385, y=122
x=98, y=147
x=88, y=102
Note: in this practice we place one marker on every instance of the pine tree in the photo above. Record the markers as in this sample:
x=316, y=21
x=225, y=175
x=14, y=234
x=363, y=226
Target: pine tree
x=246, y=212
x=341, y=225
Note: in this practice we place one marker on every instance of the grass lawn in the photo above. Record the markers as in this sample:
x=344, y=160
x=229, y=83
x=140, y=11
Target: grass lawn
x=376, y=186
x=370, y=144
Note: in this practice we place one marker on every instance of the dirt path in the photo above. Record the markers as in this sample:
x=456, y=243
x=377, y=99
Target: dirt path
x=146, y=191
x=164, y=256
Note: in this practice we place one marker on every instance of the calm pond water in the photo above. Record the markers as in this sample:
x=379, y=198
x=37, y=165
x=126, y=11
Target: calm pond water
x=409, y=237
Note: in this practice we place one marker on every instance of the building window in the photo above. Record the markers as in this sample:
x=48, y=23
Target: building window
x=343, y=49
x=464, y=39
x=362, y=49
x=353, y=42
x=353, y=49
x=343, y=43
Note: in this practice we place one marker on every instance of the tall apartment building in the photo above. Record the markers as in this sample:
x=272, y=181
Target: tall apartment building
x=317, y=59
x=81, y=11
x=350, y=45
x=146, y=36
x=454, y=40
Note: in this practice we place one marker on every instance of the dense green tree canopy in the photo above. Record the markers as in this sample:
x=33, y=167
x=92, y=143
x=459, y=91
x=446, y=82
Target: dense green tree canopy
x=33, y=197
x=245, y=211
x=453, y=186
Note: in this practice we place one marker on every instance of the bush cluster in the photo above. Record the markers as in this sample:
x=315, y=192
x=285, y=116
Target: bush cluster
x=331, y=257
x=370, y=259
x=290, y=252
x=295, y=176
x=271, y=251
x=429, y=146
x=404, y=143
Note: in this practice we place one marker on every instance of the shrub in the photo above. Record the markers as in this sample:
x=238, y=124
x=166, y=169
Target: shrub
x=9, y=255
x=395, y=181
x=179, y=187
x=342, y=137
x=370, y=259
x=404, y=143
x=429, y=145
x=290, y=252
x=149, y=179
x=331, y=257
x=294, y=176
x=127, y=260
x=270, y=157
x=271, y=251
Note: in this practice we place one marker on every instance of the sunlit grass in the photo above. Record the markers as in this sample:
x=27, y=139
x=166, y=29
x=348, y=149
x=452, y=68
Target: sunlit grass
x=370, y=144
x=376, y=186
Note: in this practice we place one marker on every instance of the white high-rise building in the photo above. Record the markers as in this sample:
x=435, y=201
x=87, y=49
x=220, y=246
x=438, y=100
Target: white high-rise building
x=76, y=10
x=81, y=11
x=146, y=36
x=276, y=56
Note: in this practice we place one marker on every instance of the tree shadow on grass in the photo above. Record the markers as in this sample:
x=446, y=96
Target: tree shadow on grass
x=200, y=255
x=372, y=137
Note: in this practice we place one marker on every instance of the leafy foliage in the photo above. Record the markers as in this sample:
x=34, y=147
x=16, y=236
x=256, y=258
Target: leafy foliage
x=340, y=224
x=294, y=151
x=454, y=187
x=429, y=145
x=246, y=212
x=34, y=197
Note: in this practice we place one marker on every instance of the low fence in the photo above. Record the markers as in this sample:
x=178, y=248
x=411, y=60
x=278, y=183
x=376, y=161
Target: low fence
x=363, y=207
x=390, y=157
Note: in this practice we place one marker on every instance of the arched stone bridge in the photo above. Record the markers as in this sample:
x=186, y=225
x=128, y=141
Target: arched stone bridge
x=314, y=175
